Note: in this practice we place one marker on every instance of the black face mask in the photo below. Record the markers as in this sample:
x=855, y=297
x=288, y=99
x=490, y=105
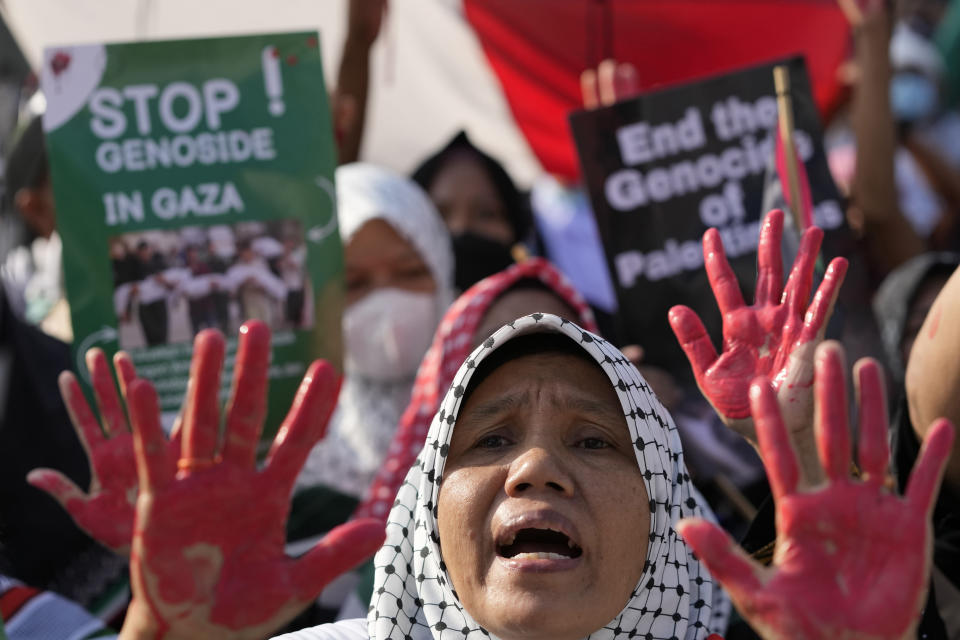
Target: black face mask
x=477, y=257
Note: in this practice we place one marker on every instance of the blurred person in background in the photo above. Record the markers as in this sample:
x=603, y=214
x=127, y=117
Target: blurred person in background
x=399, y=276
x=929, y=161
x=481, y=206
x=31, y=271
x=918, y=309
x=903, y=173
x=38, y=546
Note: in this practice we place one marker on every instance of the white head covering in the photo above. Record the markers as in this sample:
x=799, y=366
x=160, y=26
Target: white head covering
x=909, y=49
x=368, y=410
x=675, y=597
x=367, y=192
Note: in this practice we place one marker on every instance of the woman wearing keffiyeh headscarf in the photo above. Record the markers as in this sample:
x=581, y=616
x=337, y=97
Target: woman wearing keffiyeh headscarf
x=533, y=285
x=567, y=481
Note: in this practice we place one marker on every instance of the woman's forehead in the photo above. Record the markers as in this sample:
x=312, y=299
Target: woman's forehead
x=520, y=301
x=555, y=379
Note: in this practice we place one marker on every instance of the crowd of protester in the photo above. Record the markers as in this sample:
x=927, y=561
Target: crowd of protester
x=495, y=461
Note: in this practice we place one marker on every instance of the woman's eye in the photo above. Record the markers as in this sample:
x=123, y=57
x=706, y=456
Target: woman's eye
x=491, y=442
x=486, y=214
x=411, y=274
x=593, y=443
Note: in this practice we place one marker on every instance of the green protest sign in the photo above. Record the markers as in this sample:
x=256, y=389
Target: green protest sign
x=194, y=188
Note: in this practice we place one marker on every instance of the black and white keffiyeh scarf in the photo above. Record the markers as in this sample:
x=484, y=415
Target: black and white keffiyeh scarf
x=676, y=597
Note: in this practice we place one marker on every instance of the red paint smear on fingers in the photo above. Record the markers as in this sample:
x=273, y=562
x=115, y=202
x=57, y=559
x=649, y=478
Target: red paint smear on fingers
x=758, y=339
x=208, y=552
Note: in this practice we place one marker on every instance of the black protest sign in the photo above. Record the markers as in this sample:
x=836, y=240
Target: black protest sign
x=663, y=167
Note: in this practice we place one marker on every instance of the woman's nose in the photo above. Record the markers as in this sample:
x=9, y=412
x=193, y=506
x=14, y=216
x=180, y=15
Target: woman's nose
x=457, y=220
x=536, y=469
x=382, y=278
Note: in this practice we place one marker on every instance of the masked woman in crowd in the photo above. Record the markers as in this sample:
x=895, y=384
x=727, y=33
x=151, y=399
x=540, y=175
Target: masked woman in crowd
x=483, y=209
x=399, y=271
x=521, y=289
x=481, y=206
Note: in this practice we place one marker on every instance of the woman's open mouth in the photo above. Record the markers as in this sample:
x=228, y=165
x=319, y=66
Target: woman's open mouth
x=538, y=541
x=538, y=544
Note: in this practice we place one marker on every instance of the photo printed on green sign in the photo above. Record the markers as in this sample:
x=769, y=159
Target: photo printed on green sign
x=194, y=188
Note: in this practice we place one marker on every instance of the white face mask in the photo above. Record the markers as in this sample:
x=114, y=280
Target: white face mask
x=387, y=333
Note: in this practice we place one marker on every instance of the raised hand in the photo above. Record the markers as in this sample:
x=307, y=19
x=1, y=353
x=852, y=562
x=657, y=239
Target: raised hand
x=364, y=20
x=775, y=337
x=208, y=549
x=348, y=102
x=106, y=511
x=610, y=82
x=852, y=560
x=856, y=11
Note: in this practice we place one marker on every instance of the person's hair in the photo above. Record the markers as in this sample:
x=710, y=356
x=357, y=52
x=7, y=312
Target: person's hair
x=26, y=168
x=939, y=270
x=535, y=284
x=515, y=206
x=27, y=164
x=529, y=284
x=522, y=285
x=522, y=346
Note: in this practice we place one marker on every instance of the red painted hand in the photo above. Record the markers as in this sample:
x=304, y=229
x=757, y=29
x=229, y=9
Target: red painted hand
x=852, y=560
x=106, y=511
x=772, y=338
x=208, y=548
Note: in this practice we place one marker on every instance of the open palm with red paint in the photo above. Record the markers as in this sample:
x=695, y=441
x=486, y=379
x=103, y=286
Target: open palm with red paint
x=106, y=510
x=208, y=557
x=775, y=337
x=852, y=559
